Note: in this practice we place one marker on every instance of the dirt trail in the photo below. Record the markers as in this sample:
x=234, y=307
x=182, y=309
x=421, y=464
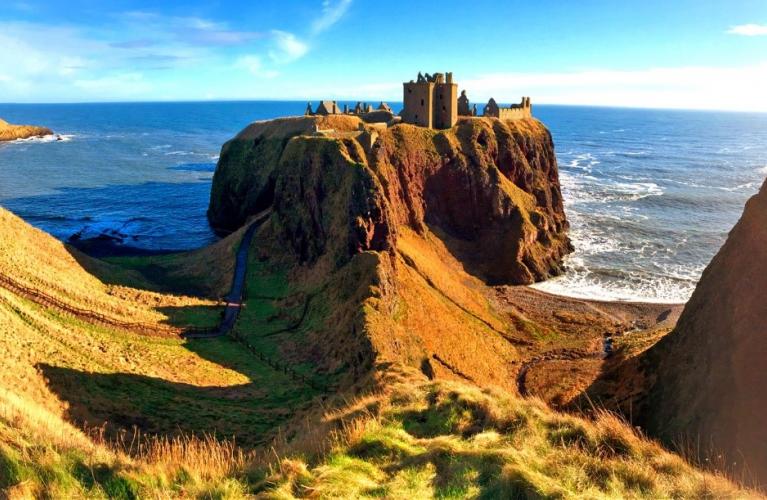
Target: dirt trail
x=234, y=299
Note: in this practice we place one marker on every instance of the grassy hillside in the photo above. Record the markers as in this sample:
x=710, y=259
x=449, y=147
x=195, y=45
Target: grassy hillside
x=61, y=375
x=421, y=439
x=67, y=387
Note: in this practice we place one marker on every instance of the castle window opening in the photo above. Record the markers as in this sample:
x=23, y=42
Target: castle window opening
x=422, y=103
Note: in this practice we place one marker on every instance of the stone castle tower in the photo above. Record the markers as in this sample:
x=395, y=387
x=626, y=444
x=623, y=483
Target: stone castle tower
x=431, y=101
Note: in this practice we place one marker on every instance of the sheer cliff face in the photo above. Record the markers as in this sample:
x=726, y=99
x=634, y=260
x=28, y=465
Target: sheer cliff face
x=709, y=374
x=489, y=189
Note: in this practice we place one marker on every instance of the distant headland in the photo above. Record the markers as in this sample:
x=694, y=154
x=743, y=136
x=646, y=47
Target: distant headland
x=430, y=101
x=9, y=132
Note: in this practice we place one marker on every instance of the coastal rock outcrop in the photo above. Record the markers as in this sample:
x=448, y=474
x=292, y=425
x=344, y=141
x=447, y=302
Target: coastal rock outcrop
x=9, y=132
x=489, y=189
x=708, y=375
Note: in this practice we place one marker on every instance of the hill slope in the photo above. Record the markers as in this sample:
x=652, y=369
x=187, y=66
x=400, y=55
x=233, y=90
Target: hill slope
x=707, y=376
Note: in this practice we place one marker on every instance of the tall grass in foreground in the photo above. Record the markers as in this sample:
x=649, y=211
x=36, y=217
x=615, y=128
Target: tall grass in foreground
x=415, y=439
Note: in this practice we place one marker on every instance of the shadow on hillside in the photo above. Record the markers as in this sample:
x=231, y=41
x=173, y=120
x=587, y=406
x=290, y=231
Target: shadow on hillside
x=122, y=402
x=193, y=316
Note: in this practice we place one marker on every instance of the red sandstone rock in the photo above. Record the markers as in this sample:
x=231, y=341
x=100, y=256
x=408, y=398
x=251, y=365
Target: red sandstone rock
x=709, y=374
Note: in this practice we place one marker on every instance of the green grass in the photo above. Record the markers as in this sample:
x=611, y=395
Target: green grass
x=446, y=440
x=250, y=412
x=194, y=316
x=155, y=271
x=277, y=311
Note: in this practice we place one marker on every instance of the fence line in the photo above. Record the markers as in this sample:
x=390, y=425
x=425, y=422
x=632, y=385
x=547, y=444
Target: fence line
x=94, y=317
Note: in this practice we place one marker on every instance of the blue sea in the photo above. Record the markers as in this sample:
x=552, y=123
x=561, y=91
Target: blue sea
x=650, y=194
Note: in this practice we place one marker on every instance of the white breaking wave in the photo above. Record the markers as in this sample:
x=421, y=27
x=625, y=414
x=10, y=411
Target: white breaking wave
x=747, y=185
x=46, y=138
x=763, y=170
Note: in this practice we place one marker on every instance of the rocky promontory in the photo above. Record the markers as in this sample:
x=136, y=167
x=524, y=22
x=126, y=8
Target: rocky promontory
x=9, y=132
x=489, y=189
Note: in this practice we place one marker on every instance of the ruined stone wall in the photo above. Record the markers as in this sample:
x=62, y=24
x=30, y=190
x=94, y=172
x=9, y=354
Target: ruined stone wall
x=514, y=113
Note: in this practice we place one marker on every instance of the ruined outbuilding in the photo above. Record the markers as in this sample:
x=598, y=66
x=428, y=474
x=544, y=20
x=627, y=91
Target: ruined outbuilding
x=513, y=112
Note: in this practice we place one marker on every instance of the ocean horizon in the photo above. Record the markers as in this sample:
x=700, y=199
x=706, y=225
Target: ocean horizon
x=650, y=193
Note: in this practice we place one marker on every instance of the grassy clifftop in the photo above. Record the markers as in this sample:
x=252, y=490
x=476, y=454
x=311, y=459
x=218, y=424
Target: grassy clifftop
x=491, y=188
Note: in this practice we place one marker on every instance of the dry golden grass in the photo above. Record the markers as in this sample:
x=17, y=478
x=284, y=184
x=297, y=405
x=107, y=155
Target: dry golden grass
x=36, y=260
x=9, y=132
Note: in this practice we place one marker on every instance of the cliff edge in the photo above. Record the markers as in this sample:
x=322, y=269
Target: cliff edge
x=9, y=132
x=708, y=375
x=488, y=188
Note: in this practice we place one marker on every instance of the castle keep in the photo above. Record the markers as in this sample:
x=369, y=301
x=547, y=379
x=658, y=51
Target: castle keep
x=430, y=101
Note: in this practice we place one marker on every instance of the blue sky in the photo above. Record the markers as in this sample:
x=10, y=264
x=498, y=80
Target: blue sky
x=672, y=53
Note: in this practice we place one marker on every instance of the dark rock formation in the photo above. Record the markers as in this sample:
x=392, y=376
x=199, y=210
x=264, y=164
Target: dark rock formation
x=488, y=188
x=708, y=375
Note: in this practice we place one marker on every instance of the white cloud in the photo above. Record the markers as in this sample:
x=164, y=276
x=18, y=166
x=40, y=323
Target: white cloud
x=696, y=87
x=254, y=65
x=748, y=30
x=286, y=47
x=332, y=12
x=119, y=84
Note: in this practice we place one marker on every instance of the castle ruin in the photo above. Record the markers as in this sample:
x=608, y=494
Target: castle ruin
x=430, y=101
x=514, y=112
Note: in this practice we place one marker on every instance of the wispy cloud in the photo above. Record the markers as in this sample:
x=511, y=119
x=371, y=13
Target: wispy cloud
x=332, y=12
x=188, y=30
x=254, y=65
x=286, y=47
x=748, y=30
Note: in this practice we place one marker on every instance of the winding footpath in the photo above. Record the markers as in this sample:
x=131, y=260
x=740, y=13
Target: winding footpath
x=234, y=299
